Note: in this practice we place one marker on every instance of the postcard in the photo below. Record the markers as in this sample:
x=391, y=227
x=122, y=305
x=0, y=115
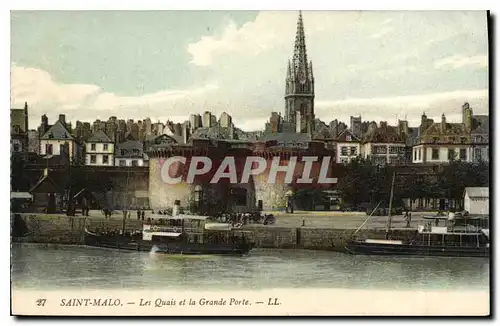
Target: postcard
x=197, y=163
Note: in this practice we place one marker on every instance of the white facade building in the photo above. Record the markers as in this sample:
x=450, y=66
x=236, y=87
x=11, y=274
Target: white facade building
x=477, y=200
x=99, y=150
x=55, y=139
x=348, y=147
x=440, y=153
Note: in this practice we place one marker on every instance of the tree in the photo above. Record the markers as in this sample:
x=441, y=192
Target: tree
x=457, y=175
x=364, y=182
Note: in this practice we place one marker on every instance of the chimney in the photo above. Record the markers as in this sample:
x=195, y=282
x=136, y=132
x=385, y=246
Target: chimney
x=443, y=123
x=383, y=124
x=26, y=125
x=62, y=119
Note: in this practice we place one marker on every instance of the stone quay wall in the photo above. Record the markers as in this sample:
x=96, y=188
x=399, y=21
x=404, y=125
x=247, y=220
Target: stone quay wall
x=67, y=230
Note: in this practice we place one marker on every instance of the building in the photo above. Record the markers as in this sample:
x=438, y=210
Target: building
x=225, y=120
x=275, y=124
x=356, y=126
x=207, y=119
x=348, y=147
x=99, y=150
x=33, y=141
x=384, y=145
x=130, y=153
x=195, y=121
x=299, y=90
x=57, y=137
x=477, y=200
x=480, y=132
x=439, y=142
x=19, y=129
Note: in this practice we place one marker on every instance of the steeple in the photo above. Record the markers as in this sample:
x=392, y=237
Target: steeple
x=299, y=53
x=299, y=91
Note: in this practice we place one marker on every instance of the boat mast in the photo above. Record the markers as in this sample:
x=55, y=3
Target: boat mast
x=390, y=203
x=359, y=228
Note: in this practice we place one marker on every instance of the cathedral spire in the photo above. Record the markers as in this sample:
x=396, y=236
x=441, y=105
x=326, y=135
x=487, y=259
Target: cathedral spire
x=300, y=55
x=299, y=91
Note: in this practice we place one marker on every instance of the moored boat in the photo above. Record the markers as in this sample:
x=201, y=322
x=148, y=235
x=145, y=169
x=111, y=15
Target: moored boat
x=461, y=236
x=429, y=240
x=180, y=234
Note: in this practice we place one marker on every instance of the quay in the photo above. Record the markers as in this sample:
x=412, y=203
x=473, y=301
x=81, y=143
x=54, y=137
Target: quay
x=301, y=230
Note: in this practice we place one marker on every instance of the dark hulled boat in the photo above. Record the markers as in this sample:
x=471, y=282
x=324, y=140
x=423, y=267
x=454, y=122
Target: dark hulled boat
x=182, y=234
x=461, y=236
x=455, y=239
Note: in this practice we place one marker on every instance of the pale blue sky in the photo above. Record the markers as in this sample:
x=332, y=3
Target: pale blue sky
x=167, y=64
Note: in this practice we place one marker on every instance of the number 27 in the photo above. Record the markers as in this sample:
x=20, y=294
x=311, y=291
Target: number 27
x=41, y=302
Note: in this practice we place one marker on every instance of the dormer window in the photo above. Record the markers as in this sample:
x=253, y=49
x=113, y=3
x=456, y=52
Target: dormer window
x=51, y=135
x=435, y=139
x=65, y=135
x=348, y=138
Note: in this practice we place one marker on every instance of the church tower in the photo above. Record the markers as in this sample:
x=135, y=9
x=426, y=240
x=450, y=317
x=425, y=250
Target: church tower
x=299, y=92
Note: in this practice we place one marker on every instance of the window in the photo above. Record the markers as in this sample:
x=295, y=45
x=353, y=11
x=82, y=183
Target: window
x=353, y=150
x=419, y=154
x=348, y=137
x=415, y=155
x=435, y=154
x=61, y=149
x=135, y=163
x=122, y=163
x=463, y=154
x=105, y=147
x=17, y=147
x=92, y=159
x=451, y=153
x=463, y=140
x=105, y=159
x=92, y=147
x=435, y=139
x=478, y=153
x=48, y=149
x=393, y=149
x=51, y=135
x=343, y=150
x=381, y=149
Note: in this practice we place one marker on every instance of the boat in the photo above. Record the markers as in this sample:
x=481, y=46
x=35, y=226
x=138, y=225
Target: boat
x=181, y=234
x=460, y=236
x=429, y=240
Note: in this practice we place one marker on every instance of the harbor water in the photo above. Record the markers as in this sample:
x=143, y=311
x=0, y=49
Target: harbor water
x=51, y=267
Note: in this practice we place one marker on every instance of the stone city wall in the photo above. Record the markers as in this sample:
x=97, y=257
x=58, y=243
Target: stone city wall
x=66, y=230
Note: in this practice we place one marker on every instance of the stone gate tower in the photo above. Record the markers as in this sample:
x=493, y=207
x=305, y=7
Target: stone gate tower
x=299, y=92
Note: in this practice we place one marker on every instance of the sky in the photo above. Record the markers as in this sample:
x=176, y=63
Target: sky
x=168, y=64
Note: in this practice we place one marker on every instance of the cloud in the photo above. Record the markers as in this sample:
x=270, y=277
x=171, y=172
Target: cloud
x=460, y=61
x=79, y=101
x=407, y=107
